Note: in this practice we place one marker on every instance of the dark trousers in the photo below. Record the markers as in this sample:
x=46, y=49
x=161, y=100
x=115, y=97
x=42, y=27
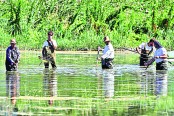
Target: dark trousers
x=10, y=67
x=52, y=61
x=107, y=63
x=143, y=58
x=161, y=65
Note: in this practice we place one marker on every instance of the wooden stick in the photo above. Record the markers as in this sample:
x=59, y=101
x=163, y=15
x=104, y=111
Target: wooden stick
x=130, y=50
x=98, y=52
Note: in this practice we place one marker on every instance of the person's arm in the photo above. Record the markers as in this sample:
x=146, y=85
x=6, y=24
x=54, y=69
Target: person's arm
x=8, y=56
x=140, y=47
x=54, y=44
x=138, y=50
x=164, y=56
x=43, y=52
x=18, y=55
x=108, y=53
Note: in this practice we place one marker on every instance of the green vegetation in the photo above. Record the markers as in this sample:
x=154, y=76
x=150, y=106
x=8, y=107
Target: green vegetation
x=82, y=24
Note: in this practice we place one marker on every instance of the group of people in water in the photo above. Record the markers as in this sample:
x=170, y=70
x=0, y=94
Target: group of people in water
x=145, y=50
x=50, y=45
x=160, y=54
x=48, y=54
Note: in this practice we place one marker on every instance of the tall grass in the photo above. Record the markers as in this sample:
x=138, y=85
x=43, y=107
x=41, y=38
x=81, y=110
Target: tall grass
x=81, y=25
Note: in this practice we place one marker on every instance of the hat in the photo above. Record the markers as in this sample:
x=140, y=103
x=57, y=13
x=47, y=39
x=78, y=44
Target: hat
x=13, y=41
x=106, y=39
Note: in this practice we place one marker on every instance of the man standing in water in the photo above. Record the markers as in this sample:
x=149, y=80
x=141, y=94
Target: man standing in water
x=108, y=54
x=145, y=49
x=160, y=56
x=12, y=56
x=48, y=51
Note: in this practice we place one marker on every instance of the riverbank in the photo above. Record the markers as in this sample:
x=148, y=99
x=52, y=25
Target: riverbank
x=73, y=52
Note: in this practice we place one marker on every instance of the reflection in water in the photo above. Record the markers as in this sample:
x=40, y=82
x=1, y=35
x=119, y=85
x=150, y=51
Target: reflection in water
x=161, y=83
x=50, y=85
x=12, y=85
x=154, y=83
x=147, y=81
x=108, y=82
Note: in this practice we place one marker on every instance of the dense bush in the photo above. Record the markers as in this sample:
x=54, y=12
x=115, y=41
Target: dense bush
x=82, y=24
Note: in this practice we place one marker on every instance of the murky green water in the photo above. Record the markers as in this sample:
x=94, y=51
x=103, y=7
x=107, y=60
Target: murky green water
x=79, y=87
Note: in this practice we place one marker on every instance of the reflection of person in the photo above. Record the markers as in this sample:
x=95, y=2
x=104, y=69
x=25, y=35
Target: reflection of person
x=147, y=82
x=160, y=56
x=108, y=83
x=12, y=56
x=48, y=51
x=50, y=85
x=145, y=49
x=161, y=83
x=108, y=54
x=12, y=85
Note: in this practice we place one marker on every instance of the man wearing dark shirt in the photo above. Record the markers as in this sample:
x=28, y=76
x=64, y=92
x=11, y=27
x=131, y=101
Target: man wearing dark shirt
x=12, y=56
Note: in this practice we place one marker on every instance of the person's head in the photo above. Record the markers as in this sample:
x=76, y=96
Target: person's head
x=13, y=42
x=151, y=42
x=106, y=40
x=50, y=35
x=156, y=44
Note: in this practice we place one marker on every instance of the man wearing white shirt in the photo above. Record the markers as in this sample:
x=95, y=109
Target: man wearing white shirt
x=145, y=49
x=108, y=54
x=48, y=51
x=160, y=57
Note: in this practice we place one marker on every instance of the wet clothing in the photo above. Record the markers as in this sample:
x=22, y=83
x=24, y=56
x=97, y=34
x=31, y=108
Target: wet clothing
x=12, y=57
x=48, y=53
x=107, y=57
x=107, y=63
x=145, y=53
x=161, y=64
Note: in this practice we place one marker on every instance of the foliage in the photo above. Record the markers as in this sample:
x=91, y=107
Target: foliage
x=81, y=25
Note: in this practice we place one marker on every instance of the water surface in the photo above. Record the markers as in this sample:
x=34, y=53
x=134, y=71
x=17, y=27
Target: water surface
x=80, y=87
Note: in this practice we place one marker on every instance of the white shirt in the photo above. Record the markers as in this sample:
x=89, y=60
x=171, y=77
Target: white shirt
x=46, y=43
x=108, y=51
x=160, y=52
x=145, y=45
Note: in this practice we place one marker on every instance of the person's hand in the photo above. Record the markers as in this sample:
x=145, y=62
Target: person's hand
x=17, y=61
x=98, y=58
x=39, y=57
x=156, y=57
x=13, y=63
x=99, y=48
x=145, y=64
